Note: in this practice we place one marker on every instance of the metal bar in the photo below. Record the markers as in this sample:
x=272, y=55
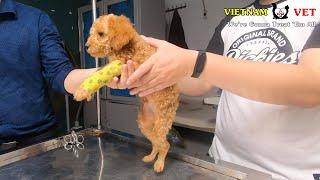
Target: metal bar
x=66, y=97
x=177, y=8
x=94, y=17
x=94, y=10
x=30, y=151
x=36, y=149
x=210, y=166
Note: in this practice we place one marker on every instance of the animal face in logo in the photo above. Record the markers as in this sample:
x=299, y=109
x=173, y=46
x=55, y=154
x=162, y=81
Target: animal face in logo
x=280, y=13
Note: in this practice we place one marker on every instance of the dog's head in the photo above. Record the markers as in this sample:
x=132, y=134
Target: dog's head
x=109, y=33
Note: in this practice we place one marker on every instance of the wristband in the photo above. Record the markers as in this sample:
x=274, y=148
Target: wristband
x=200, y=63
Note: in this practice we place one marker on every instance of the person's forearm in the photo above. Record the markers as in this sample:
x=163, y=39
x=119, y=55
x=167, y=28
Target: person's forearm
x=193, y=87
x=75, y=78
x=273, y=83
x=269, y=82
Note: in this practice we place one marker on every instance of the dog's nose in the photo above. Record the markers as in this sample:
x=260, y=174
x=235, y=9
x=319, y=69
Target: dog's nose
x=87, y=46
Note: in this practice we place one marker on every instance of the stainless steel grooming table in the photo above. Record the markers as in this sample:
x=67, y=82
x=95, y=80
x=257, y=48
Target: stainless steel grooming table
x=109, y=156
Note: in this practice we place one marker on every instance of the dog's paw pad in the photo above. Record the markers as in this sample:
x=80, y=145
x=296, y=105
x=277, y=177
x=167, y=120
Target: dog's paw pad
x=148, y=158
x=82, y=94
x=158, y=166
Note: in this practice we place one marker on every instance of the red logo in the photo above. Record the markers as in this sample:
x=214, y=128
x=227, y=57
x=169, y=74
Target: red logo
x=305, y=11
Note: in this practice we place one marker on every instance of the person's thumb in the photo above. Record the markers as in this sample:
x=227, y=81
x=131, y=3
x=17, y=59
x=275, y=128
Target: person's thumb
x=152, y=41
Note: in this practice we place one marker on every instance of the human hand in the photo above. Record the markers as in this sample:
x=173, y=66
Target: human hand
x=165, y=68
x=127, y=71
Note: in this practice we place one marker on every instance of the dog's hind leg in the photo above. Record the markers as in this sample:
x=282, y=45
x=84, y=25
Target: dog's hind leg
x=146, y=122
x=162, y=125
x=162, y=146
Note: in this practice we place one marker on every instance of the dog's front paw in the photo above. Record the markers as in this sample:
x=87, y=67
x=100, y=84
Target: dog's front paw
x=82, y=94
x=158, y=166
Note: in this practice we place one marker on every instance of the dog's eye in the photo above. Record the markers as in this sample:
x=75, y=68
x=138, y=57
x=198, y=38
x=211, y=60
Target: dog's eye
x=101, y=34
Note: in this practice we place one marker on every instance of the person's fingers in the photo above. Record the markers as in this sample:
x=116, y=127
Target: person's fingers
x=141, y=84
x=152, y=83
x=136, y=65
x=124, y=77
x=140, y=87
x=151, y=90
x=136, y=85
x=134, y=91
x=113, y=84
x=144, y=80
x=152, y=41
x=142, y=70
x=130, y=68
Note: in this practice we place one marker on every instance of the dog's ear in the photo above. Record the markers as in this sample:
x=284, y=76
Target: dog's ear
x=120, y=31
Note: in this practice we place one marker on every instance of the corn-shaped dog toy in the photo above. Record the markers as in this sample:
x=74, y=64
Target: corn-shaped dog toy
x=98, y=79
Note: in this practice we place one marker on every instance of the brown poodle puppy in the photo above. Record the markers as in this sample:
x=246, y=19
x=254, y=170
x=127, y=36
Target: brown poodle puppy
x=115, y=37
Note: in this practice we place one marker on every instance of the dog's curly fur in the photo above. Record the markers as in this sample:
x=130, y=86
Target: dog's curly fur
x=115, y=37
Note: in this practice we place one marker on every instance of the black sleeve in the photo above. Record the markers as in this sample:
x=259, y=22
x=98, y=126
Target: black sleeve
x=314, y=39
x=216, y=44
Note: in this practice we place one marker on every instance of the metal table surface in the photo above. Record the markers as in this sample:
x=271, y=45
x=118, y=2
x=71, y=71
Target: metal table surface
x=102, y=158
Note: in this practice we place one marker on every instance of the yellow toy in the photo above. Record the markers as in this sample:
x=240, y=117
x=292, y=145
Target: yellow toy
x=97, y=80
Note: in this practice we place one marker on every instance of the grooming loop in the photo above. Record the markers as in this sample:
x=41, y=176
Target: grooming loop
x=73, y=142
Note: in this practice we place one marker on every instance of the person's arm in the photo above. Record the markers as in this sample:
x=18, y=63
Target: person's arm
x=57, y=68
x=193, y=87
x=74, y=79
x=271, y=83
x=266, y=82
